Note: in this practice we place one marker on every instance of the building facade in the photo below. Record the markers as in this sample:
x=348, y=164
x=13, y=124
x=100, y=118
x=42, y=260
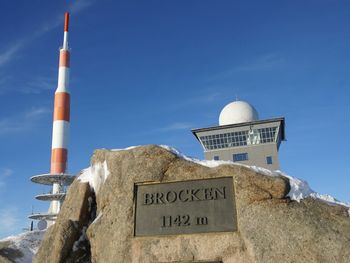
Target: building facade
x=241, y=137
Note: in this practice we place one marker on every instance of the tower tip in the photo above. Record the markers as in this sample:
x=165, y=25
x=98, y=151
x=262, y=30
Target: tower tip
x=66, y=21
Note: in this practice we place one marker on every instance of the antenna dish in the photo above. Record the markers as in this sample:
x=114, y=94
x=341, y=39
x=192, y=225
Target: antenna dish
x=42, y=224
x=238, y=112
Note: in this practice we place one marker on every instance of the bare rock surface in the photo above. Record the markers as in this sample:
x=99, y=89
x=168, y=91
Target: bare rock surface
x=20, y=248
x=271, y=227
x=60, y=238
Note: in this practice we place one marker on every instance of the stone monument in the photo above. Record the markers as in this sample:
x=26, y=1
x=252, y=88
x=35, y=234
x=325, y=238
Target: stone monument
x=149, y=205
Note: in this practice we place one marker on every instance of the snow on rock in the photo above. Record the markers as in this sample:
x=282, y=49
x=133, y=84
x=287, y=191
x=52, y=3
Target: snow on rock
x=95, y=175
x=27, y=243
x=125, y=149
x=299, y=189
x=97, y=218
x=77, y=244
x=208, y=163
x=98, y=173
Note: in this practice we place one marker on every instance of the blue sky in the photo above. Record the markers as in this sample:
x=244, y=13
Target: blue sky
x=146, y=72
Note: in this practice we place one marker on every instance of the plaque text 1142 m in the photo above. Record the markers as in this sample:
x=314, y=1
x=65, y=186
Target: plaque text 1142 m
x=185, y=207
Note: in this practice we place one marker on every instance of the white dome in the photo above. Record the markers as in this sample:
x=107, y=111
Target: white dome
x=238, y=112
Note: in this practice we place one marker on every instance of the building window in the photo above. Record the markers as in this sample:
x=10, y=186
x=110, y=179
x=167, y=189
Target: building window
x=239, y=138
x=267, y=134
x=269, y=159
x=238, y=157
x=216, y=158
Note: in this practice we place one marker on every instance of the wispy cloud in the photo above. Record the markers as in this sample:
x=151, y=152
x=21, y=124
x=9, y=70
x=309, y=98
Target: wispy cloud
x=177, y=126
x=267, y=62
x=9, y=220
x=39, y=84
x=8, y=54
x=79, y=5
x=205, y=97
x=22, y=122
x=74, y=8
x=4, y=83
x=4, y=174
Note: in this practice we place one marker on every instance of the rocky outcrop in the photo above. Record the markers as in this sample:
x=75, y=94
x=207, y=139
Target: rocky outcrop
x=271, y=227
x=62, y=241
x=20, y=248
x=9, y=254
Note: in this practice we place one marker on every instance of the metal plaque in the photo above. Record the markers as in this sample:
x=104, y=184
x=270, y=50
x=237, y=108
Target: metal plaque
x=185, y=207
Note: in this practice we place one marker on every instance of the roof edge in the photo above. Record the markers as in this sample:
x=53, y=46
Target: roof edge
x=280, y=119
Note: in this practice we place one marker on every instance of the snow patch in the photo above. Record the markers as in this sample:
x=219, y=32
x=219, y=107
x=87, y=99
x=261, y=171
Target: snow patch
x=125, y=149
x=97, y=218
x=208, y=163
x=90, y=200
x=95, y=175
x=299, y=189
x=28, y=243
x=78, y=244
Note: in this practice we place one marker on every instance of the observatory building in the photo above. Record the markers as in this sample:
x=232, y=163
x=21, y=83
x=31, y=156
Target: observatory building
x=241, y=137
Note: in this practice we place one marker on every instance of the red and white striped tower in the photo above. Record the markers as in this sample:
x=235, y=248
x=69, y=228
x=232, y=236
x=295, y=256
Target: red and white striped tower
x=61, y=114
x=58, y=176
